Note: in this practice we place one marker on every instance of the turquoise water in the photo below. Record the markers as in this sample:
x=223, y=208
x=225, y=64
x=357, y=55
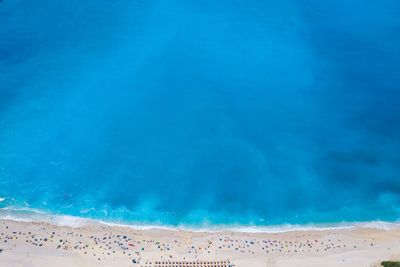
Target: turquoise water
x=201, y=112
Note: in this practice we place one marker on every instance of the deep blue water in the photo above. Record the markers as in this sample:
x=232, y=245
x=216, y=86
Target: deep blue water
x=191, y=112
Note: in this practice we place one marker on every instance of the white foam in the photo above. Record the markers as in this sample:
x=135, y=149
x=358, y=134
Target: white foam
x=33, y=215
x=381, y=225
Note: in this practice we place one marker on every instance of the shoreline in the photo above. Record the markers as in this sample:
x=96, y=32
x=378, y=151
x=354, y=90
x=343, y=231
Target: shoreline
x=23, y=215
x=48, y=244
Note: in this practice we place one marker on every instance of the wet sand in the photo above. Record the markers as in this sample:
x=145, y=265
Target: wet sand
x=45, y=244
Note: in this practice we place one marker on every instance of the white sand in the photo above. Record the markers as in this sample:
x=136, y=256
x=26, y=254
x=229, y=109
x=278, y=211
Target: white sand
x=97, y=244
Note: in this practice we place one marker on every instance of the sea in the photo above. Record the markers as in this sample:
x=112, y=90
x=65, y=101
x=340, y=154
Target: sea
x=206, y=114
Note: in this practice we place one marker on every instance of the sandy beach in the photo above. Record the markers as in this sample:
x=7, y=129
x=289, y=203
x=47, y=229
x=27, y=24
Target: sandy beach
x=45, y=244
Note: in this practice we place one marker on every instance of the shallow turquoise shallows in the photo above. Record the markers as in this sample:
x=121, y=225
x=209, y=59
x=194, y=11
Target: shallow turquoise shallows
x=201, y=112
